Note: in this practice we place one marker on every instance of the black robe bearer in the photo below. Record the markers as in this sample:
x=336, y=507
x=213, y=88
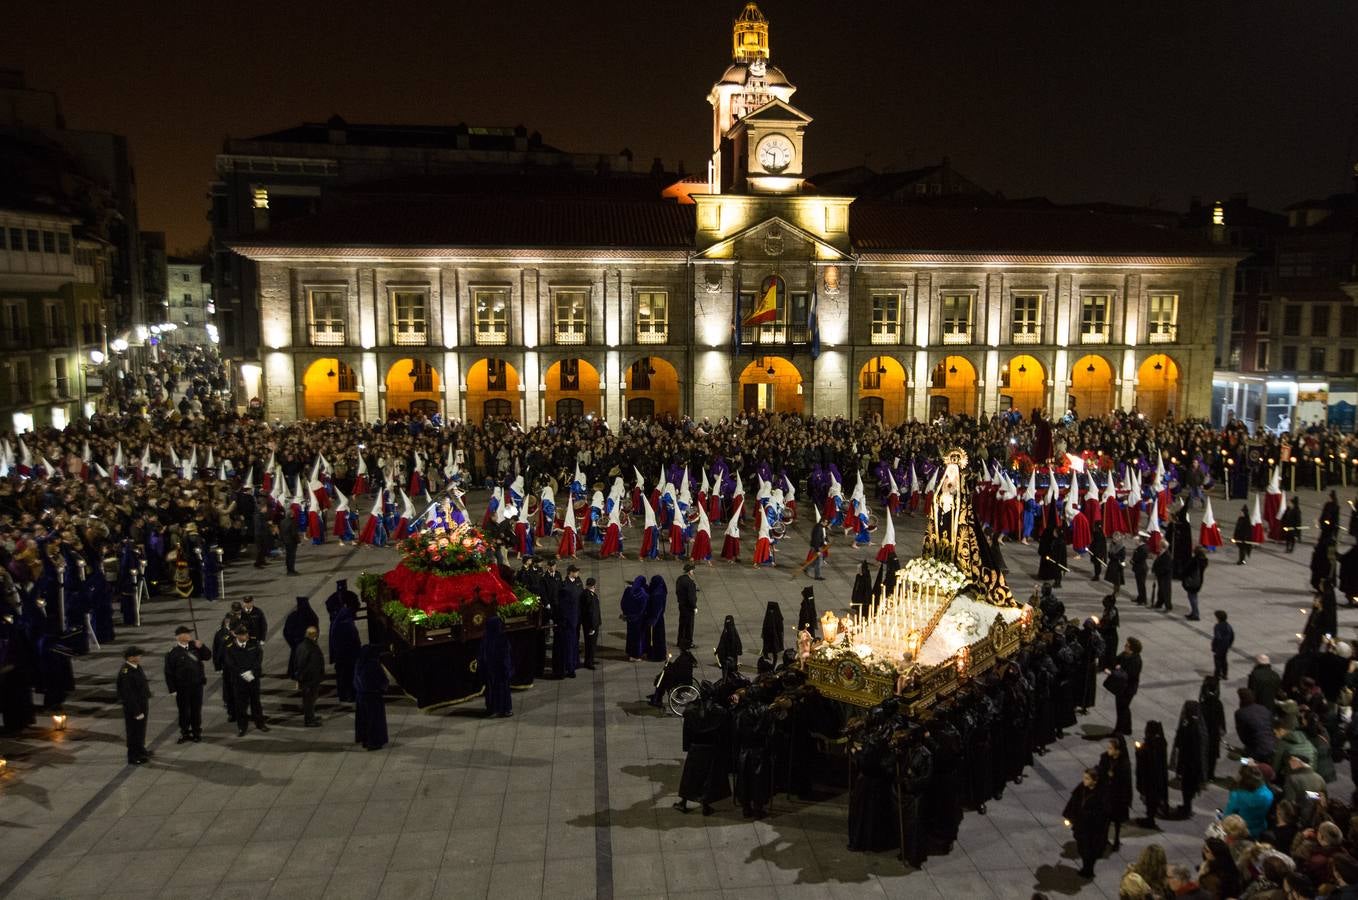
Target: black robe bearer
x=1152, y=771
x=873, y=814
x=916, y=764
x=370, y=708
x=946, y=790
x=754, y=767
x=705, y=778
x=1088, y=824
x=772, y=631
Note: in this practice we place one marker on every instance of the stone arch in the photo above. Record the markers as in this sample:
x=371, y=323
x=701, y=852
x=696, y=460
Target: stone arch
x=494, y=382
x=1091, y=386
x=330, y=389
x=651, y=386
x=572, y=389
x=884, y=389
x=1157, y=387
x=773, y=384
x=1024, y=381
x=952, y=388
x=413, y=385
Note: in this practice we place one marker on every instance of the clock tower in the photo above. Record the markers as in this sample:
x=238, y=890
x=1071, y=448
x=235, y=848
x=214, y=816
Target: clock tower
x=756, y=133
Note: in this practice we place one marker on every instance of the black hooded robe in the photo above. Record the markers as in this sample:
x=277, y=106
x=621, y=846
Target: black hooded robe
x=370, y=708
x=772, y=631
x=873, y=813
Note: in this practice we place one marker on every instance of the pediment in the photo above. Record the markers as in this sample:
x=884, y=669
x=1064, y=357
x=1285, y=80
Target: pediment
x=775, y=112
x=774, y=236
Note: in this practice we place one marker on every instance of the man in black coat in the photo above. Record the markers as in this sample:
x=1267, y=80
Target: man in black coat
x=1243, y=537
x=287, y=534
x=1163, y=569
x=134, y=692
x=565, y=645
x=309, y=669
x=1265, y=682
x=1254, y=726
x=818, y=541
x=591, y=618
x=1291, y=522
x=252, y=617
x=686, y=590
x=245, y=668
x=1140, y=567
x=184, y=679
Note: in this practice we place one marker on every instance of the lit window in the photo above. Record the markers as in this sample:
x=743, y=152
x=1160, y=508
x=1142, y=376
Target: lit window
x=957, y=318
x=1094, y=318
x=261, y=197
x=1164, y=318
x=570, y=314
x=1027, y=322
x=1218, y=214
x=653, y=317
x=327, y=316
x=886, y=318
x=491, y=312
x=409, y=318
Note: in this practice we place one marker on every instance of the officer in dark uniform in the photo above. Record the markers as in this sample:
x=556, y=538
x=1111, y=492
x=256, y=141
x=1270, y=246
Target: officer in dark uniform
x=245, y=669
x=252, y=617
x=184, y=679
x=135, y=695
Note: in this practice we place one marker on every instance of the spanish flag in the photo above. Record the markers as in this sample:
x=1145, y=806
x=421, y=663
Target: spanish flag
x=766, y=308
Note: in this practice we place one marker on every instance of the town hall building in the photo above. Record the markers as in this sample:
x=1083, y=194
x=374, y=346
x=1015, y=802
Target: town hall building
x=562, y=292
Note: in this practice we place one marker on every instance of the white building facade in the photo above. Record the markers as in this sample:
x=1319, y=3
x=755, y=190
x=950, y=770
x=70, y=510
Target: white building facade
x=757, y=293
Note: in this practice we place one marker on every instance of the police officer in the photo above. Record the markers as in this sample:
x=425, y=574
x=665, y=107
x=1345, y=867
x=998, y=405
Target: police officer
x=184, y=679
x=245, y=667
x=135, y=695
x=252, y=617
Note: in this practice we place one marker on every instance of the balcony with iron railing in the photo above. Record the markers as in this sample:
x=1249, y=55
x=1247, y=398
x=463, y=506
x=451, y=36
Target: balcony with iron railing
x=491, y=336
x=652, y=334
x=409, y=335
x=957, y=337
x=571, y=335
x=1094, y=336
x=886, y=334
x=326, y=336
x=1162, y=334
x=778, y=333
x=1026, y=337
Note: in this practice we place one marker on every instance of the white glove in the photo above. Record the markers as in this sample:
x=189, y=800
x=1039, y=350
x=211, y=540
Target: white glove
x=248, y=675
x=141, y=716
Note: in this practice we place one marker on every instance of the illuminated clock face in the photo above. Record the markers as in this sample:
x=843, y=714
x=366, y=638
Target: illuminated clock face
x=775, y=153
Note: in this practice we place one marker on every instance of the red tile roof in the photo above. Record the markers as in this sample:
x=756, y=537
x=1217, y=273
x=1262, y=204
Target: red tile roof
x=502, y=221
x=1009, y=230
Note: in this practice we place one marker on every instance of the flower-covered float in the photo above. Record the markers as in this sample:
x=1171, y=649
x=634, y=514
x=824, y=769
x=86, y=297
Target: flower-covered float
x=949, y=616
x=430, y=611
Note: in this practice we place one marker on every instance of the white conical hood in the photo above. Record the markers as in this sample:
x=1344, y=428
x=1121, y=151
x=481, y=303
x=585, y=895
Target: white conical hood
x=1208, y=519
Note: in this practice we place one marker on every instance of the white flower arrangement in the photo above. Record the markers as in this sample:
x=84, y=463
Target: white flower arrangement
x=925, y=570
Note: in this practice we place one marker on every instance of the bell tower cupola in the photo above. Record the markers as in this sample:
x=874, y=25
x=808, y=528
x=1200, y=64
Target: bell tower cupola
x=750, y=36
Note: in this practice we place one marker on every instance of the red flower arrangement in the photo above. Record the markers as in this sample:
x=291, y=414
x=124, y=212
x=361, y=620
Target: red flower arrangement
x=443, y=569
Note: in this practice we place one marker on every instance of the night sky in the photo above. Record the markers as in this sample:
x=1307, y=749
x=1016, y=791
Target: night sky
x=1150, y=104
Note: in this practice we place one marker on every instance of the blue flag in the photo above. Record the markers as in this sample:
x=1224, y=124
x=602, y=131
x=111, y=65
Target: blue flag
x=813, y=325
